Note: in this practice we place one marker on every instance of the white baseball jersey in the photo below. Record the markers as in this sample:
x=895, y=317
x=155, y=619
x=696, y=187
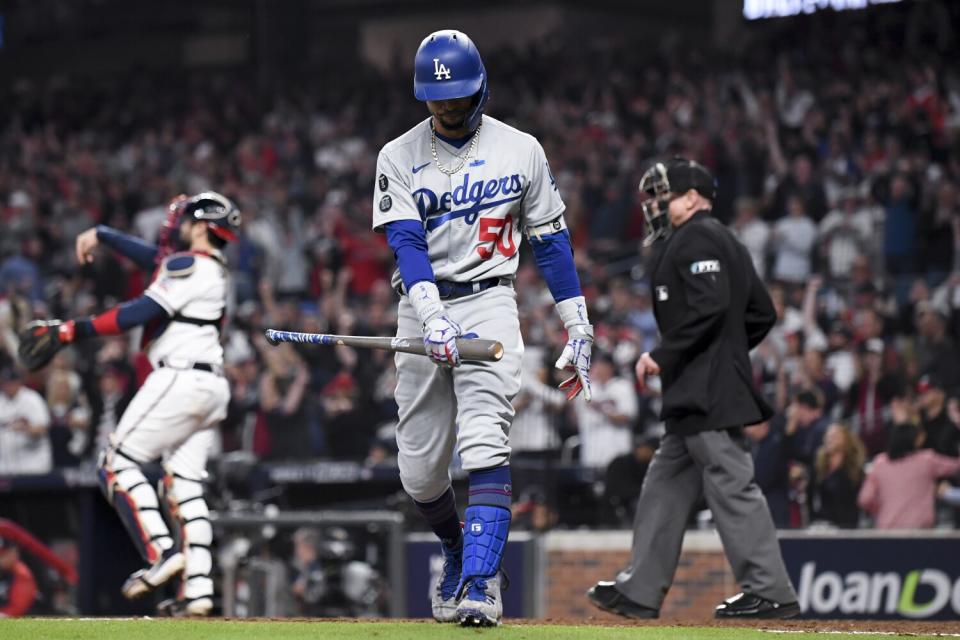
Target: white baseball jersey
x=20, y=452
x=474, y=219
x=191, y=286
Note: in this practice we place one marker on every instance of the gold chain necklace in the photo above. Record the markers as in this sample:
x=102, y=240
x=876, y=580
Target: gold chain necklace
x=462, y=158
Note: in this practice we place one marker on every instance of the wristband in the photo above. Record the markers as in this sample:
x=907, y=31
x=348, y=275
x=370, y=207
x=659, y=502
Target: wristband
x=425, y=298
x=573, y=311
x=67, y=331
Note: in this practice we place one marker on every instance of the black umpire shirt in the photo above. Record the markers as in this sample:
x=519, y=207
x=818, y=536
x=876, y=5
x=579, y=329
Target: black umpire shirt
x=711, y=309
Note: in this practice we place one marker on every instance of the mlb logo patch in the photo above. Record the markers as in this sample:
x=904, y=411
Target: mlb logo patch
x=705, y=266
x=662, y=293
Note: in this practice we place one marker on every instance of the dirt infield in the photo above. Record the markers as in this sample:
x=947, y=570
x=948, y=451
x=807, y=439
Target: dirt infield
x=895, y=627
x=899, y=627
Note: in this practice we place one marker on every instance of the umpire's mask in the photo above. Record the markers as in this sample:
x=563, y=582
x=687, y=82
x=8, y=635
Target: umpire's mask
x=655, y=187
x=664, y=181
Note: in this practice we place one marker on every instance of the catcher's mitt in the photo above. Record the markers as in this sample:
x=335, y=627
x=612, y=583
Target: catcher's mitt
x=39, y=342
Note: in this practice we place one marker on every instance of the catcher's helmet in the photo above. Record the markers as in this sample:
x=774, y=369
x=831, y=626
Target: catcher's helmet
x=448, y=66
x=219, y=212
x=664, y=181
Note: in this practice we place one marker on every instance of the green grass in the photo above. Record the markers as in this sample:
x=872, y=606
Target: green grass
x=147, y=629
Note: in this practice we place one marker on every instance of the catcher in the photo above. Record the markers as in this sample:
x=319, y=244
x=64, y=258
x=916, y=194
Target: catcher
x=171, y=416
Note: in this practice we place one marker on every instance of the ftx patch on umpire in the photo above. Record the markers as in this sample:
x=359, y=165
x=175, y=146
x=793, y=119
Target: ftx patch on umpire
x=705, y=266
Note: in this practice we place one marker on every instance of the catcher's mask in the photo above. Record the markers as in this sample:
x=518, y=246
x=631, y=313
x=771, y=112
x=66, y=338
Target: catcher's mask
x=663, y=182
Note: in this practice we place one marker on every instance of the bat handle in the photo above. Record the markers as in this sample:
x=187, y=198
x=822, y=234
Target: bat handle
x=275, y=337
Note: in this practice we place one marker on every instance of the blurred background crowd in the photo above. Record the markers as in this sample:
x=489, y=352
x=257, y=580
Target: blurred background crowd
x=838, y=167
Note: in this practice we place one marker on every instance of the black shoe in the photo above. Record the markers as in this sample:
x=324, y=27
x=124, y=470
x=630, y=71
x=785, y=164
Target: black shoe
x=605, y=596
x=748, y=605
x=185, y=608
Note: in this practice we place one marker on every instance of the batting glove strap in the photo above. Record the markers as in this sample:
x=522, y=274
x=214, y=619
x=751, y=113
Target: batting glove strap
x=573, y=311
x=425, y=298
x=440, y=339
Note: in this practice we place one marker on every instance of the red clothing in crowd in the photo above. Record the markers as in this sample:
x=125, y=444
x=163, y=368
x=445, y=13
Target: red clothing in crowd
x=367, y=256
x=18, y=590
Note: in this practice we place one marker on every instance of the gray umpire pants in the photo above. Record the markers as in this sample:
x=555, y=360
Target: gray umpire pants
x=716, y=465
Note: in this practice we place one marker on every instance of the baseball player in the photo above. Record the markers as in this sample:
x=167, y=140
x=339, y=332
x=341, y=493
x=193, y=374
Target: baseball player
x=711, y=308
x=454, y=195
x=186, y=394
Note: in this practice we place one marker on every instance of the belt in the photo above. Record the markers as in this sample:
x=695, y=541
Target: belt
x=450, y=290
x=199, y=366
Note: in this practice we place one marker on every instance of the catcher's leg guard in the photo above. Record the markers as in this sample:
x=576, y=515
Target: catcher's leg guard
x=185, y=502
x=135, y=501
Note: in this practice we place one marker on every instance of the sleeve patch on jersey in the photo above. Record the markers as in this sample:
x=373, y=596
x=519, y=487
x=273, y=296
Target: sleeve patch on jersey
x=180, y=266
x=385, y=203
x=554, y=226
x=705, y=266
x=382, y=182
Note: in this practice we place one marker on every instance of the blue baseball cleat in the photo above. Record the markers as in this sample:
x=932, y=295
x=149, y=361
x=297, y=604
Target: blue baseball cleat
x=444, y=600
x=481, y=605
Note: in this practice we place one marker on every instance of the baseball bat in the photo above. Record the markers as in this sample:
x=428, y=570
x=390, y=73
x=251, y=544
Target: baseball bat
x=473, y=349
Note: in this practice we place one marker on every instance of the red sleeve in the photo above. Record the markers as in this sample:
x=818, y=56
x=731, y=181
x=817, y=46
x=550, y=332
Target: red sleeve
x=107, y=324
x=22, y=593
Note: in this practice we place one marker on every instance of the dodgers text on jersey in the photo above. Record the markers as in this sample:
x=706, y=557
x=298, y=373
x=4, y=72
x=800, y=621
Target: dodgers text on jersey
x=476, y=195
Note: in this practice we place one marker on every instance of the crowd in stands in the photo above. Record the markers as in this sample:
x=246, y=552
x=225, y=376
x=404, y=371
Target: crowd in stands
x=838, y=167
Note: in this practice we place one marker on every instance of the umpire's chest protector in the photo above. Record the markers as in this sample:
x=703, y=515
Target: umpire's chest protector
x=703, y=287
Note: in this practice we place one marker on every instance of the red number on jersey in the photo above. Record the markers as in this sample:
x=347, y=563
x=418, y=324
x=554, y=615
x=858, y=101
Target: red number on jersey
x=499, y=232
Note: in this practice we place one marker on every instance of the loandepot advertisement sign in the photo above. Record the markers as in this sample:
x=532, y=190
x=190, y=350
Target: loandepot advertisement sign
x=902, y=578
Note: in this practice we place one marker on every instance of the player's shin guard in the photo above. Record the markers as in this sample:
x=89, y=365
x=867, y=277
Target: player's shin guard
x=484, y=540
x=186, y=504
x=135, y=501
x=485, y=533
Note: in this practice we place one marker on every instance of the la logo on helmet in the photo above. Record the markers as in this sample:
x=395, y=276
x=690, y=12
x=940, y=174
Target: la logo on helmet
x=440, y=70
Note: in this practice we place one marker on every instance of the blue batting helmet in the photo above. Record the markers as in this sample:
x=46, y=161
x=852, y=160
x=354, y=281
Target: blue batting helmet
x=448, y=66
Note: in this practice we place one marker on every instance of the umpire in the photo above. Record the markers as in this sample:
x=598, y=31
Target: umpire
x=711, y=308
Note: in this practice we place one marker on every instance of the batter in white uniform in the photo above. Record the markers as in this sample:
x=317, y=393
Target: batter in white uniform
x=171, y=416
x=455, y=195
